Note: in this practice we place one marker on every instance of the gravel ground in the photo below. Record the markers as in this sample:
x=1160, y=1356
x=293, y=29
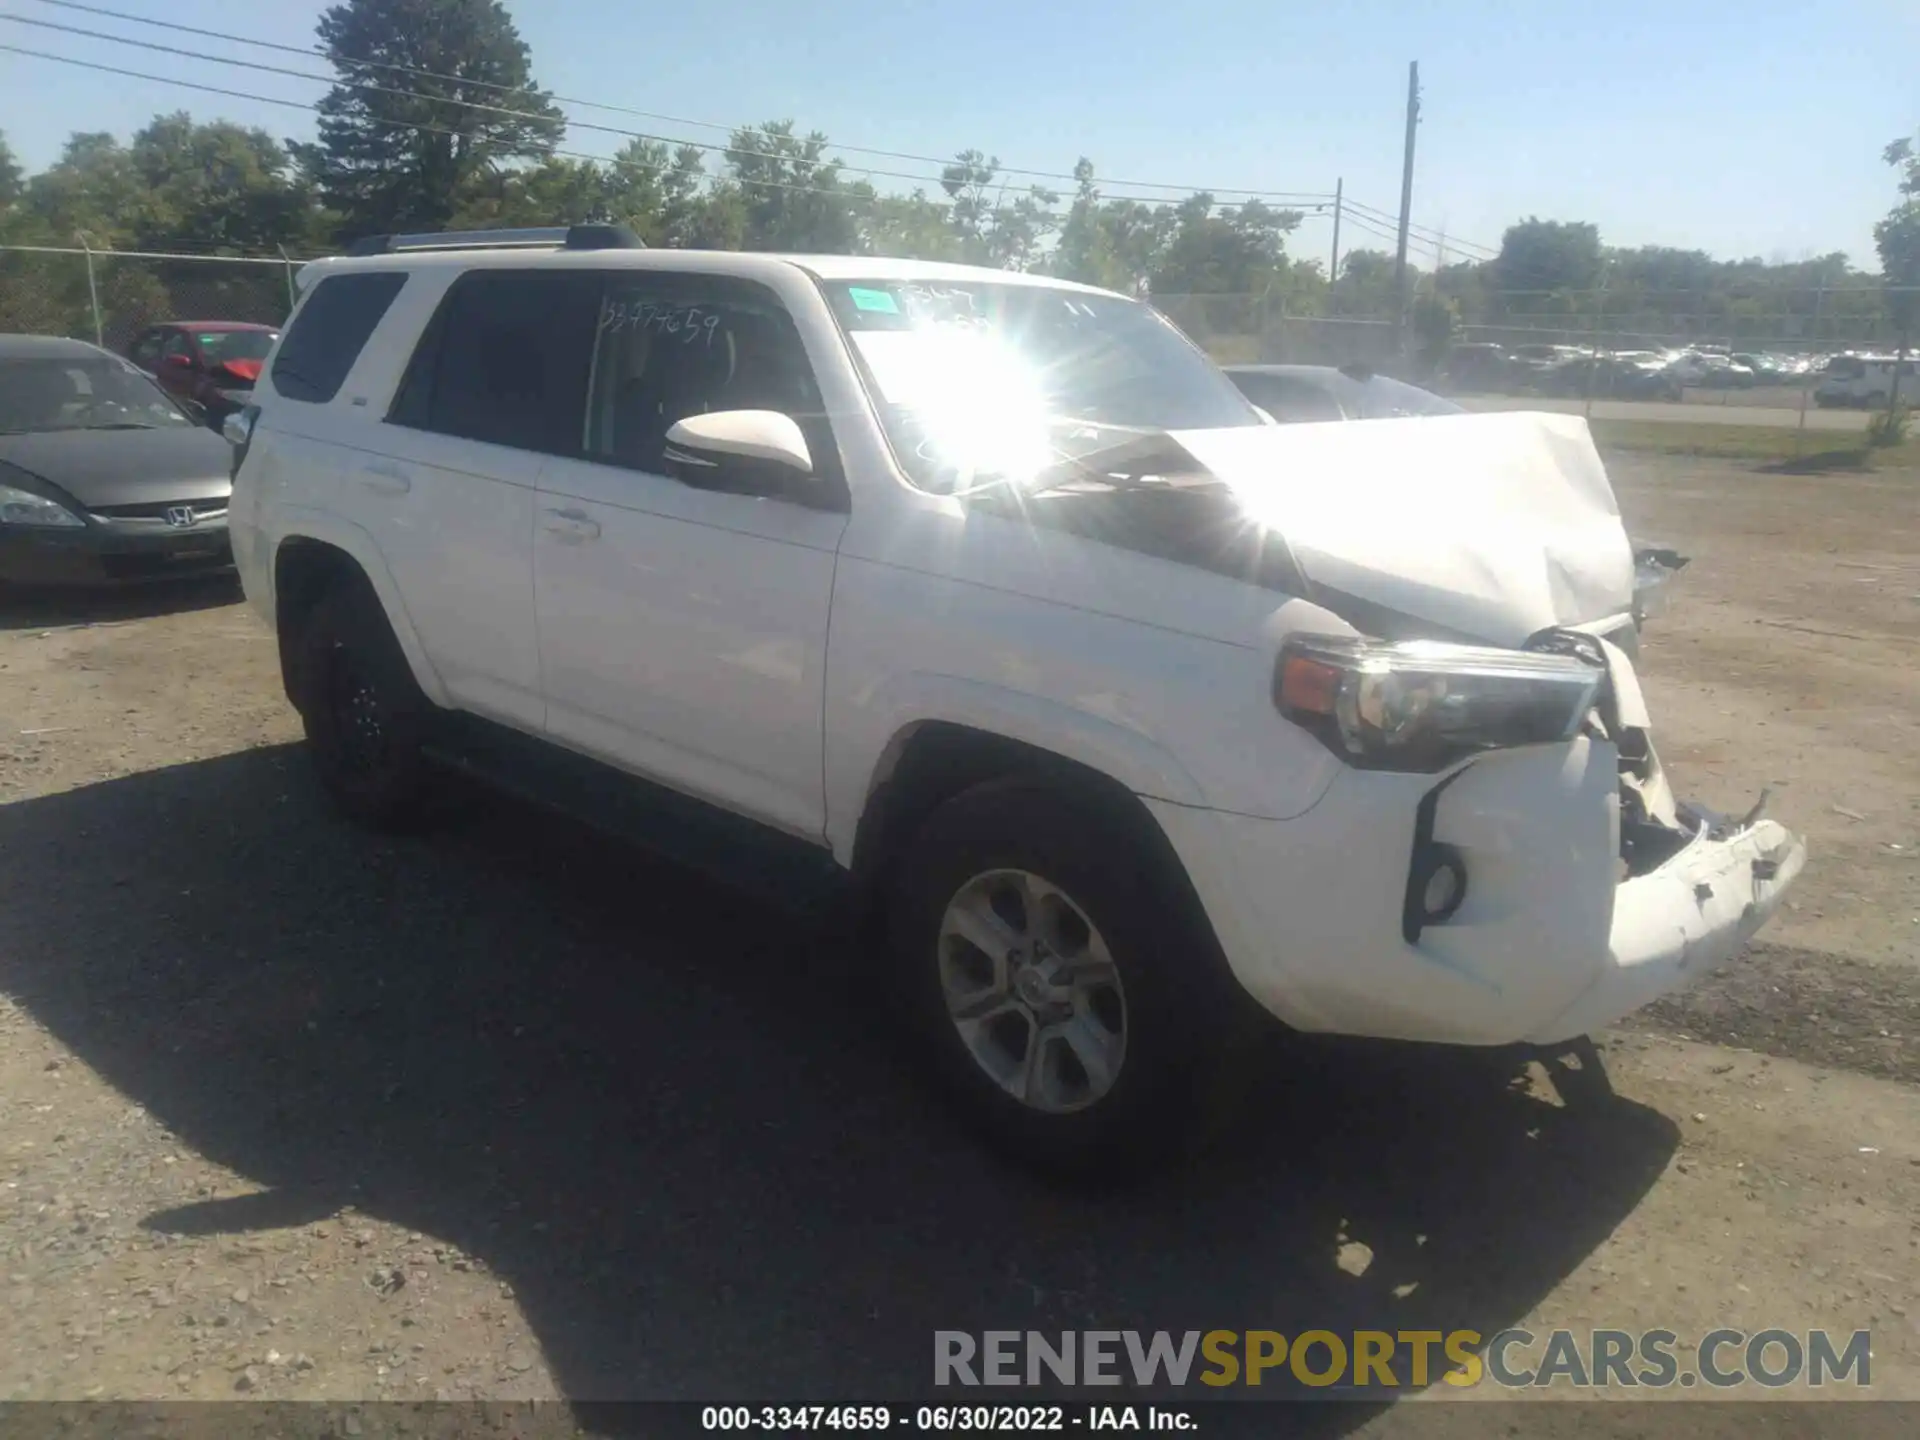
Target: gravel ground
x=504, y=1112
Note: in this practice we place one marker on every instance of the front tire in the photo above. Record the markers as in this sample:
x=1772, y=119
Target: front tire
x=1059, y=982
x=365, y=717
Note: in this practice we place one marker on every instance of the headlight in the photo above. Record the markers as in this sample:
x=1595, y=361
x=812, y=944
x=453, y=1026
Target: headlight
x=1422, y=705
x=23, y=507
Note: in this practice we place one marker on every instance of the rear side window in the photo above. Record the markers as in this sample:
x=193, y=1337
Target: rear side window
x=329, y=331
x=506, y=360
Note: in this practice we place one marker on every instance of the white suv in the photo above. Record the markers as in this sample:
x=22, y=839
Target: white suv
x=1138, y=718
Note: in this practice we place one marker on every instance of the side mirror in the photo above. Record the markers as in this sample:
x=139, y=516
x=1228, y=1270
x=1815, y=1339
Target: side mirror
x=743, y=452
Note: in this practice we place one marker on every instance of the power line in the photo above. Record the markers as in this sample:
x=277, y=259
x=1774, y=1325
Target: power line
x=503, y=111
x=850, y=196
x=1379, y=231
x=1280, y=195
x=1452, y=241
x=845, y=195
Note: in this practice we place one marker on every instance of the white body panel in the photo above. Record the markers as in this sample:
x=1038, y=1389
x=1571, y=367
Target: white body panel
x=776, y=659
x=683, y=634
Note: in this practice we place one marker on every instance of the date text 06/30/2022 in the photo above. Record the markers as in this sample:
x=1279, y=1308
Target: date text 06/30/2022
x=792, y=1419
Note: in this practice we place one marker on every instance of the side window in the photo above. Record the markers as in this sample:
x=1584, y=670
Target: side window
x=146, y=350
x=505, y=361
x=177, y=344
x=670, y=346
x=329, y=331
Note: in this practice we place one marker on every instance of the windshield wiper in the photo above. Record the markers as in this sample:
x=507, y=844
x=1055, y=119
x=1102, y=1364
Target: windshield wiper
x=119, y=425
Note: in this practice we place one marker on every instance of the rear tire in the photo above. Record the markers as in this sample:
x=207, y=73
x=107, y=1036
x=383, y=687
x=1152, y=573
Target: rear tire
x=1102, y=1039
x=365, y=716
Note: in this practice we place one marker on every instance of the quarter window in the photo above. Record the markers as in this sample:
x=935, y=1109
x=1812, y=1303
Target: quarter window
x=330, y=330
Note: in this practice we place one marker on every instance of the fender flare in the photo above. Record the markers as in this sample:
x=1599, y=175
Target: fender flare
x=897, y=709
x=303, y=523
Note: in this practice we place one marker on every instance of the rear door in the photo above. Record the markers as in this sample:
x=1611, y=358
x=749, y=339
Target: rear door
x=497, y=383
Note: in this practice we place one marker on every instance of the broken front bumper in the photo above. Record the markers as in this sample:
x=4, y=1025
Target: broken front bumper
x=1688, y=917
x=1549, y=942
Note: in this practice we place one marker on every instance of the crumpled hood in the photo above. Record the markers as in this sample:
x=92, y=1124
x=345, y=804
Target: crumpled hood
x=1496, y=526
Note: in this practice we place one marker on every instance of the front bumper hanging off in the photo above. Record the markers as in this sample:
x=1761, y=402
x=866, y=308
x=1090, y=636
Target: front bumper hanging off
x=1589, y=891
x=1684, y=919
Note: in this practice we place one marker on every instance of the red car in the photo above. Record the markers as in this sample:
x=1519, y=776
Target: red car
x=211, y=363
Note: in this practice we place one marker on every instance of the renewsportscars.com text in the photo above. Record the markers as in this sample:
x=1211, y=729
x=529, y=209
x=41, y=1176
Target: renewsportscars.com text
x=1402, y=1359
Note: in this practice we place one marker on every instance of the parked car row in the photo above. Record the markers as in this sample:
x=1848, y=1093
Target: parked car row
x=1549, y=369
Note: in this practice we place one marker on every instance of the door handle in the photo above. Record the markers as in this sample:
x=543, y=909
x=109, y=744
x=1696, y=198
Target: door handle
x=386, y=479
x=572, y=525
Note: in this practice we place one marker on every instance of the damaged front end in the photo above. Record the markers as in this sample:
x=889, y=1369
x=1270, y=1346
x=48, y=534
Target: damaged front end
x=1655, y=825
x=1655, y=569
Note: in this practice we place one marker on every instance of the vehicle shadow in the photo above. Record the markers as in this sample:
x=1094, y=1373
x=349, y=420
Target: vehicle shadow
x=48, y=607
x=649, y=1106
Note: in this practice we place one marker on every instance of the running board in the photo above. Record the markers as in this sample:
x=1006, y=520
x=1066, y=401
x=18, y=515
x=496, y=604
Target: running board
x=781, y=870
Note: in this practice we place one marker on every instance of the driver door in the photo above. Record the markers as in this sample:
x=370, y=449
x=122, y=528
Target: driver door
x=683, y=631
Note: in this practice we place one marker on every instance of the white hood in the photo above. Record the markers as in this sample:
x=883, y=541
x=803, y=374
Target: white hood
x=1496, y=525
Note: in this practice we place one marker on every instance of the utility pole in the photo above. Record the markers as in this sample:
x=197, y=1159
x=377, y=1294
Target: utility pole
x=1406, y=209
x=1333, y=267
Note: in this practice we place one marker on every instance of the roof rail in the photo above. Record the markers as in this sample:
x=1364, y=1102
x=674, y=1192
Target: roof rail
x=549, y=237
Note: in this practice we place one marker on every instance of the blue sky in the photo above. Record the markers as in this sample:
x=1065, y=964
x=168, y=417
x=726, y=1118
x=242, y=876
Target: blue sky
x=1741, y=128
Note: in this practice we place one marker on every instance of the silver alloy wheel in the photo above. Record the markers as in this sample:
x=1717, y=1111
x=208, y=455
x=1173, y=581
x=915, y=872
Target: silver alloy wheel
x=1033, y=991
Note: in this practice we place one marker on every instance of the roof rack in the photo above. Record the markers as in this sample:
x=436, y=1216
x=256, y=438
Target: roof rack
x=550, y=237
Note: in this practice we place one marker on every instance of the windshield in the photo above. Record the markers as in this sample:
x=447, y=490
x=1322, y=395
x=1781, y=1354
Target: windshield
x=219, y=345
x=987, y=381
x=89, y=394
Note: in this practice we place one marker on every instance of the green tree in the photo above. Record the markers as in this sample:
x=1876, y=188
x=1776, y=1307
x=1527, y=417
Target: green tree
x=1897, y=238
x=910, y=227
x=1544, y=266
x=790, y=194
x=401, y=149
x=11, y=178
x=1435, y=321
x=554, y=192
x=216, y=186
x=92, y=187
x=1365, y=287
x=990, y=230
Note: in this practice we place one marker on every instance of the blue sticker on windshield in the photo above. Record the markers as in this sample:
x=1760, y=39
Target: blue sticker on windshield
x=880, y=302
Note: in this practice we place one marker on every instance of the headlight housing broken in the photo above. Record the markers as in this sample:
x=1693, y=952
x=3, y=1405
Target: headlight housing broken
x=1423, y=705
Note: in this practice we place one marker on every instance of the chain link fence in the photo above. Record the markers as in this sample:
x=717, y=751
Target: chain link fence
x=109, y=296
x=1763, y=346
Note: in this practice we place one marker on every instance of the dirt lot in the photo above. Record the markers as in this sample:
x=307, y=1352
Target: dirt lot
x=289, y=1112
